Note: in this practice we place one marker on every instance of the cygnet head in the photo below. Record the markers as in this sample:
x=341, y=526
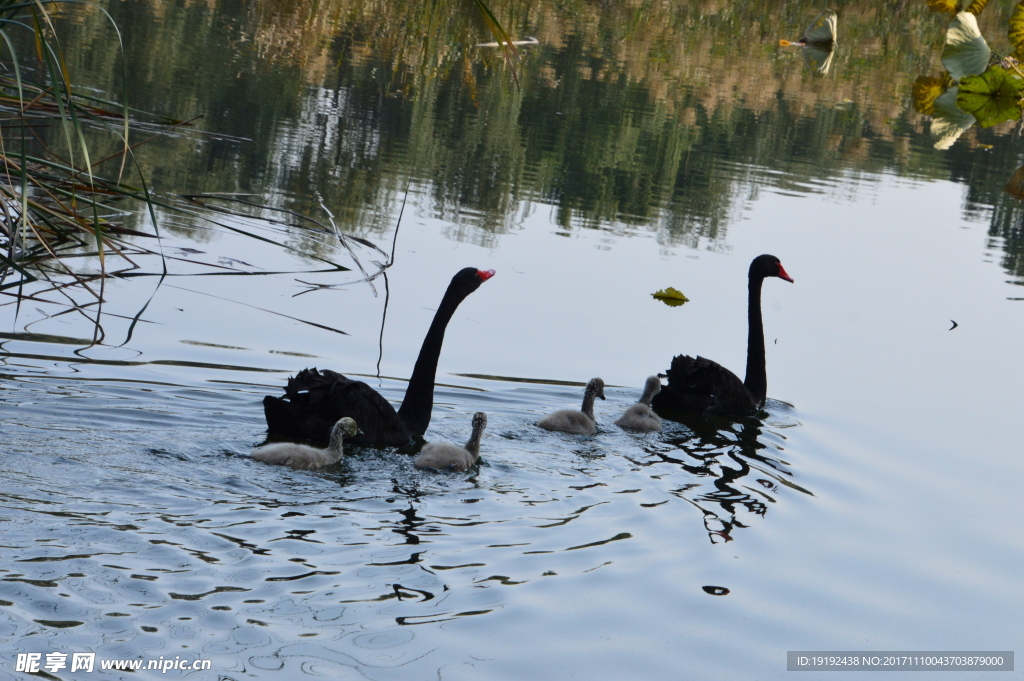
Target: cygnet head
x=479, y=420
x=345, y=428
x=595, y=387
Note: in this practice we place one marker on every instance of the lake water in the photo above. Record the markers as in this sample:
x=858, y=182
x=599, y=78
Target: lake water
x=875, y=506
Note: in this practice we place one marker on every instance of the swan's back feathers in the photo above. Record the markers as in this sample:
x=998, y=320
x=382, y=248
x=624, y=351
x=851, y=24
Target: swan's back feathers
x=444, y=456
x=295, y=455
x=314, y=401
x=639, y=417
x=703, y=386
x=448, y=457
x=304, y=456
x=569, y=421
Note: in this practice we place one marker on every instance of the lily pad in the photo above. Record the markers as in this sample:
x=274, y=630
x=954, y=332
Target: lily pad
x=671, y=297
x=966, y=52
x=992, y=97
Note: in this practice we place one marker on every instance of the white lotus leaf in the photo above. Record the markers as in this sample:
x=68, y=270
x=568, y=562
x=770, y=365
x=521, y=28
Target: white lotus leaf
x=966, y=52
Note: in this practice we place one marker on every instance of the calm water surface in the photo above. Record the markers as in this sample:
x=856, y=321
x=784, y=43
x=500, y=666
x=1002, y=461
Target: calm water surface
x=874, y=506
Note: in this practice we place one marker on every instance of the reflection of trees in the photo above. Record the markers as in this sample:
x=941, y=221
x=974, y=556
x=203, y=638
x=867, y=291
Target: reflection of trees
x=1008, y=224
x=629, y=112
x=738, y=474
x=985, y=172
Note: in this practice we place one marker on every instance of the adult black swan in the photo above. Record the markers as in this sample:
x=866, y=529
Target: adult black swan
x=315, y=400
x=705, y=387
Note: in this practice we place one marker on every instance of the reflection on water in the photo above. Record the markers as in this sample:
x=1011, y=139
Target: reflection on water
x=134, y=522
x=668, y=118
x=743, y=480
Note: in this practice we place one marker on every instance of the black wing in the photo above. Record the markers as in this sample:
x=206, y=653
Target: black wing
x=315, y=400
x=703, y=386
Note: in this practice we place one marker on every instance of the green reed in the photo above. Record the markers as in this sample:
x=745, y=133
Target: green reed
x=56, y=199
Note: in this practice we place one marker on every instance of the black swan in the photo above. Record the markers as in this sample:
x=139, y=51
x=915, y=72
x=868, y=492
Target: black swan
x=706, y=387
x=640, y=416
x=448, y=457
x=577, y=422
x=304, y=456
x=314, y=400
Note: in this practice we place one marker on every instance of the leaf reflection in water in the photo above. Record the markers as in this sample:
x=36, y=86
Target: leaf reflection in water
x=966, y=52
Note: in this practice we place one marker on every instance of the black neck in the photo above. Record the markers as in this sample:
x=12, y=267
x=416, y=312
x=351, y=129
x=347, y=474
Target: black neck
x=419, y=396
x=757, y=378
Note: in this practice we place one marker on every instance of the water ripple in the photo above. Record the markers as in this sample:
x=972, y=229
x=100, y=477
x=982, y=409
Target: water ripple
x=143, y=527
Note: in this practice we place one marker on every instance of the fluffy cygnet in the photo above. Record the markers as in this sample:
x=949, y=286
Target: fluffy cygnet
x=444, y=456
x=304, y=456
x=640, y=416
x=577, y=422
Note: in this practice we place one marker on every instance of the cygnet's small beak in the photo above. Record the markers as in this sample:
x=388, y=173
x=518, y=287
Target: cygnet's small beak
x=359, y=431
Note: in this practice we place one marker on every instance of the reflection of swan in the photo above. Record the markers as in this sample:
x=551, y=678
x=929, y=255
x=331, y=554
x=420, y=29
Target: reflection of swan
x=303, y=456
x=577, y=422
x=819, y=59
x=820, y=32
x=640, y=416
x=737, y=475
x=314, y=400
x=819, y=42
x=706, y=387
x=448, y=457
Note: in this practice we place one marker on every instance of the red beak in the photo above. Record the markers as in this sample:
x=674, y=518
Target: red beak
x=782, y=274
x=487, y=274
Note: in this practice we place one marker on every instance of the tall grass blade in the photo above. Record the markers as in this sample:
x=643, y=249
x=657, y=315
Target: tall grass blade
x=502, y=37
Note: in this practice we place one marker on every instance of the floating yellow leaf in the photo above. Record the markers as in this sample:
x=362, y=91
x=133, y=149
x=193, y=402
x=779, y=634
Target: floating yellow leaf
x=976, y=7
x=671, y=297
x=950, y=6
x=1015, y=32
x=926, y=90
